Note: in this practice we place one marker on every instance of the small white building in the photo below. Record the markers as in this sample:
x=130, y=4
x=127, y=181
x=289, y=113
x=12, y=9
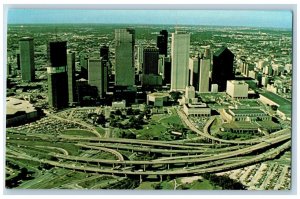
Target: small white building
x=198, y=109
x=157, y=99
x=237, y=89
x=214, y=88
x=119, y=105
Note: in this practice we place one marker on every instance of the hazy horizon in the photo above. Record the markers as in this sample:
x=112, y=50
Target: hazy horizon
x=246, y=18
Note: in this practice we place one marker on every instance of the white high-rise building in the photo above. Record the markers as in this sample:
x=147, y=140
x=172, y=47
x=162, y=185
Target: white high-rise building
x=124, y=69
x=139, y=59
x=180, y=48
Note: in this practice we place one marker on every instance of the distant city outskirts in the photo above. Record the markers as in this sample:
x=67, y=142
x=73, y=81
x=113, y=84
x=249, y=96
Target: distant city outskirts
x=151, y=107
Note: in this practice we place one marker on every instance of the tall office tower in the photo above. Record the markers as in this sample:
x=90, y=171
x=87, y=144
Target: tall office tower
x=18, y=59
x=161, y=65
x=104, y=52
x=104, y=56
x=96, y=75
x=205, y=65
x=84, y=65
x=194, y=66
x=180, y=60
x=57, y=75
x=167, y=70
x=139, y=59
x=162, y=42
x=27, y=58
x=71, y=76
x=124, y=69
x=150, y=75
x=222, y=69
x=150, y=61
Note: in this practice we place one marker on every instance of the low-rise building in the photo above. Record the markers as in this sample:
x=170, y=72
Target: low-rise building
x=19, y=111
x=237, y=89
x=197, y=109
x=246, y=115
x=119, y=105
x=157, y=99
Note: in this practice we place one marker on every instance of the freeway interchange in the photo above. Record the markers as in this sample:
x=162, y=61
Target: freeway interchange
x=136, y=157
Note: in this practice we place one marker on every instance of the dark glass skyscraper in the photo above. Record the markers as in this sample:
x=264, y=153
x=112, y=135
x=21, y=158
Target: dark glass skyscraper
x=104, y=50
x=162, y=42
x=150, y=61
x=222, y=69
x=57, y=74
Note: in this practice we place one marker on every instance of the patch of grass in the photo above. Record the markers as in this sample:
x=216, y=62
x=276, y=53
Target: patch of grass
x=147, y=186
x=203, y=185
x=80, y=132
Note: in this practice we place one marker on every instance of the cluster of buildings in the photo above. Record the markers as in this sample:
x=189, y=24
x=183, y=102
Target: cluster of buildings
x=155, y=68
x=138, y=72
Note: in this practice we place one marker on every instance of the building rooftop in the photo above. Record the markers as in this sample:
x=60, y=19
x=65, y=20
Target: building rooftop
x=276, y=98
x=159, y=94
x=240, y=125
x=14, y=105
x=26, y=39
x=221, y=50
x=246, y=111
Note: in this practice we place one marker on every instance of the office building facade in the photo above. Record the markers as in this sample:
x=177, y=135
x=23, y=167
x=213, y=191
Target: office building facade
x=222, y=69
x=26, y=47
x=96, y=75
x=124, y=57
x=71, y=76
x=162, y=43
x=205, y=65
x=57, y=75
x=180, y=60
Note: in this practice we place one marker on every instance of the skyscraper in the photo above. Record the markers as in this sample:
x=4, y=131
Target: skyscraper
x=124, y=55
x=205, y=64
x=57, y=74
x=194, y=66
x=71, y=76
x=84, y=58
x=162, y=42
x=104, y=52
x=222, y=69
x=150, y=61
x=139, y=59
x=180, y=60
x=27, y=58
x=150, y=75
x=95, y=75
x=104, y=57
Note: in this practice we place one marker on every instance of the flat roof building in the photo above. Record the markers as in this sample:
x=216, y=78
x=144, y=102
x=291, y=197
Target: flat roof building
x=237, y=89
x=197, y=109
x=157, y=99
x=19, y=111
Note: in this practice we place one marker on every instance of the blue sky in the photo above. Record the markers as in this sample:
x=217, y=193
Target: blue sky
x=254, y=18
